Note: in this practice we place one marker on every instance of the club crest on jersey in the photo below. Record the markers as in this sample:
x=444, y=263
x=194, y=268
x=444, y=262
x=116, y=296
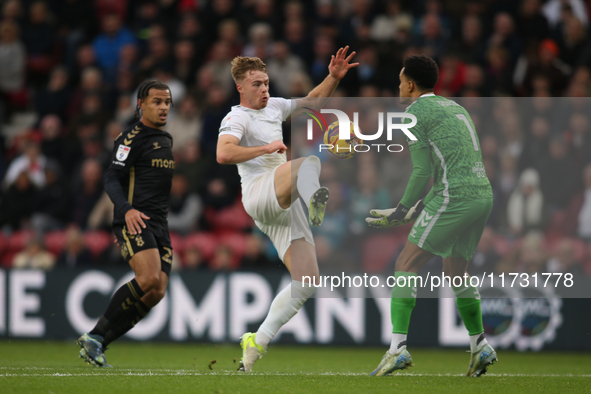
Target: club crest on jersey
x=123, y=152
x=226, y=121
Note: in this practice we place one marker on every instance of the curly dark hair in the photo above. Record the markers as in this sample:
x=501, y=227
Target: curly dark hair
x=422, y=70
x=144, y=91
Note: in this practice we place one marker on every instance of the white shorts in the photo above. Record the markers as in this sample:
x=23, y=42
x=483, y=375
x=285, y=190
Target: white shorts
x=281, y=225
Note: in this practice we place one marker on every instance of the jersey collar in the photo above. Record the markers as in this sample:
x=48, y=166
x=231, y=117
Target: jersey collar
x=427, y=95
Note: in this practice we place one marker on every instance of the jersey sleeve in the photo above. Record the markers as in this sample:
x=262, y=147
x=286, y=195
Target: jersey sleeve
x=419, y=130
x=122, y=159
x=233, y=124
x=285, y=106
x=421, y=174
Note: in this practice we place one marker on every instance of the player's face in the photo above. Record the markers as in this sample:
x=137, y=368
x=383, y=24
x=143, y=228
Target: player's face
x=254, y=88
x=405, y=88
x=155, y=108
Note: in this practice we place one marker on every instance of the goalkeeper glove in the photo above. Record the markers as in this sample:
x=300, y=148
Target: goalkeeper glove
x=384, y=218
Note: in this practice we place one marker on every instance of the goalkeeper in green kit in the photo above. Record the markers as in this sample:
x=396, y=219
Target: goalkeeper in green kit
x=449, y=221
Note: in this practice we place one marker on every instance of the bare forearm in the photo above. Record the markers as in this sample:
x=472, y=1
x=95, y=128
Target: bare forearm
x=233, y=154
x=318, y=96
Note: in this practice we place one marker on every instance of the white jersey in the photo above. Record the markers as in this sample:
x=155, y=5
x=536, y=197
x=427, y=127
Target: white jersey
x=257, y=127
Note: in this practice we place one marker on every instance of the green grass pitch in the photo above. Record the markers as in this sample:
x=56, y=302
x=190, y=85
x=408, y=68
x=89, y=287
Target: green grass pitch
x=54, y=367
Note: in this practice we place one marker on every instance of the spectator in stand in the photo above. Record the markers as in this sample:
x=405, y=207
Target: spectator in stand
x=525, y=208
x=39, y=37
x=88, y=192
x=532, y=25
x=184, y=62
x=186, y=124
x=52, y=202
x=108, y=44
x=101, y=216
x=31, y=161
x=54, y=98
x=77, y=23
x=34, y=256
x=222, y=259
x=549, y=65
x=12, y=65
x=580, y=138
x=471, y=44
x=185, y=207
x=505, y=37
x=431, y=41
x=16, y=206
x=536, y=148
x=323, y=49
x=563, y=259
x=486, y=257
x=195, y=166
x=584, y=212
x=298, y=40
x=90, y=83
x=385, y=27
x=229, y=32
x=560, y=176
x=254, y=255
x=75, y=255
x=194, y=259
x=282, y=66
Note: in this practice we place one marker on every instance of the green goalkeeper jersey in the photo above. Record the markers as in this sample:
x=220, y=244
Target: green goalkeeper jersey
x=446, y=129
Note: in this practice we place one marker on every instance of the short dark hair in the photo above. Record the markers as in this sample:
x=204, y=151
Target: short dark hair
x=422, y=70
x=144, y=91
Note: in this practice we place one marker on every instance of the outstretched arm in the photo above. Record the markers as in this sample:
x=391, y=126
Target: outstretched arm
x=337, y=69
x=229, y=152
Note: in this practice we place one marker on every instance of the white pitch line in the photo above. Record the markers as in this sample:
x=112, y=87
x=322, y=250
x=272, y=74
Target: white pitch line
x=232, y=373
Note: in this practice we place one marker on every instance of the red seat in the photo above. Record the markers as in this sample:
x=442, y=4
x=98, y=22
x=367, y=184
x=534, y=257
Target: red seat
x=205, y=242
x=97, y=241
x=232, y=218
x=15, y=243
x=55, y=242
x=236, y=242
x=18, y=241
x=178, y=245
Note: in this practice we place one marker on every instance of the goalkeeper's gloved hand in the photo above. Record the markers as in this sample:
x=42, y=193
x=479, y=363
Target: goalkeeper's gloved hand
x=384, y=218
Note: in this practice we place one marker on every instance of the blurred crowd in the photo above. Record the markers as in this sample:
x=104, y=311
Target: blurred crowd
x=69, y=70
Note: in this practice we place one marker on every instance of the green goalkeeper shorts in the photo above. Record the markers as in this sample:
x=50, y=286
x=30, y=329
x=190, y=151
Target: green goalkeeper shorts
x=451, y=229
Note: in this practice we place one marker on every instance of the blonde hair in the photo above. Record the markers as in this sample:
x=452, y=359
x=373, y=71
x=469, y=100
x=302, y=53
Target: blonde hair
x=242, y=64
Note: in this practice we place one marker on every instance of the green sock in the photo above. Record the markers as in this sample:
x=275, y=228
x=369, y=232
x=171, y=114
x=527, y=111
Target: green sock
x=403, y=302
x=468, y=302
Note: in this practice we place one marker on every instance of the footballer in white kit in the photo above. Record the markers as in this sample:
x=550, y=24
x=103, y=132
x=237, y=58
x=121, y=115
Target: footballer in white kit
x=251, y=137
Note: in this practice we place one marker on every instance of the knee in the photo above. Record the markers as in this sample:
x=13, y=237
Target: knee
x=149, y=281
x=312, y=161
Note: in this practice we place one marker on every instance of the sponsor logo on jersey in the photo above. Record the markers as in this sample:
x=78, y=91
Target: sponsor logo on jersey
x=163, y=163
x=122, y=152
x=118, y=163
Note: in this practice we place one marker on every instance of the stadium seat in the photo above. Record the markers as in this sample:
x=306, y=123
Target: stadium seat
x=178, y=245
x=235, y=241
x=15, y=243
x=205, y=242
x=55, y=242
x=232, y=218
x=97, y=241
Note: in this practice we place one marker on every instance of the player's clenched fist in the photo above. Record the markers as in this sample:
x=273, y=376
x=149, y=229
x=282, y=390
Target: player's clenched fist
x=276, y=146
x=133, y=219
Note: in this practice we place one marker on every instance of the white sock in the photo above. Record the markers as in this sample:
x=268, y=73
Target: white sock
x=475, y=345
x=308, y=175
x=398, y=340
x=283, y=308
